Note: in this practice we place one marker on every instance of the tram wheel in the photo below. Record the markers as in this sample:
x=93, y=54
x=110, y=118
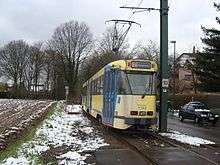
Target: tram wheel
x=99, y=119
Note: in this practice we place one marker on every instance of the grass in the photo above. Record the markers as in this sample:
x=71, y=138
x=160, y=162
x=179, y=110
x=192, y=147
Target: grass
x=12, y=149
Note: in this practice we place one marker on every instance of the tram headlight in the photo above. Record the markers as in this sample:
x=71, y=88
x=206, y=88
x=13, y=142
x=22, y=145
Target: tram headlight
x=142, y=113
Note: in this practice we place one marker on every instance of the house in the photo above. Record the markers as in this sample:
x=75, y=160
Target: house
x=184, y=74
x=185, y=78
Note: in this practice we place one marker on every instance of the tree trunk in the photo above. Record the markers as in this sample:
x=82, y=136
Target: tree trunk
x=194, y=82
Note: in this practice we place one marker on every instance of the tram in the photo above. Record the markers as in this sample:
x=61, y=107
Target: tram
x=122, y=94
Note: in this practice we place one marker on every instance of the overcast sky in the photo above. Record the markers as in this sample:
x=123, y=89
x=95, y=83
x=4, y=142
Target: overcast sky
x=34, y=20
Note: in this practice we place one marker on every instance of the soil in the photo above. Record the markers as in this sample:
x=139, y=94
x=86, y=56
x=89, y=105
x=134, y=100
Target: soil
x=18, y=117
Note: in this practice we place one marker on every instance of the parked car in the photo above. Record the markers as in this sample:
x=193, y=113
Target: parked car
x=198, y=112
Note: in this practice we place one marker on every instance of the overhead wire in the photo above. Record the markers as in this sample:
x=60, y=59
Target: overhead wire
x=170, y=3
x=131, y=15
x=133, y=12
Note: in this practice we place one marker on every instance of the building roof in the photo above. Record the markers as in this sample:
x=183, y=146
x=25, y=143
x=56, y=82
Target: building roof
x=184, y=57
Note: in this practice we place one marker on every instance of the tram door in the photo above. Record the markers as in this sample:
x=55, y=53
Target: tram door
x=90, y=97
x=109, y=95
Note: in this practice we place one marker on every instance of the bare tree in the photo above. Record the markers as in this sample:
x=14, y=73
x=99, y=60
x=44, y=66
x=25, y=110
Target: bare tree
x=109, y=42
x=149, y=51
x=72, y=43
x=34, y=65
x=29, y=72
x=37, y=57
x=13, y=59
x=48, y=66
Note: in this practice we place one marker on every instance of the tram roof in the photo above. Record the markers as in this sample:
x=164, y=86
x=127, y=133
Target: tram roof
x=127, y=65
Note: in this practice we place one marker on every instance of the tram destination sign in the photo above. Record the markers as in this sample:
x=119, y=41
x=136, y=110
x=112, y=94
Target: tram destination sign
x=141, y=64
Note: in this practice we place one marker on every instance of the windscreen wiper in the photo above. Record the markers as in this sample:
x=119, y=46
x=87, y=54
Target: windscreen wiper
x=147, y=88
x=128, y=83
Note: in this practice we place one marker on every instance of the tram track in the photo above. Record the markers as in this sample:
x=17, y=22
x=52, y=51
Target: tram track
x=137, y=142
x=150, y=145
x=135, y=148
x=175, y=144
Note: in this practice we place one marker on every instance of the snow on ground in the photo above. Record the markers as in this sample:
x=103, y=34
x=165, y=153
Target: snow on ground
x=72, y=158
x=19, y=161
x=183, y=138
x=73, y=109
x=61, y=129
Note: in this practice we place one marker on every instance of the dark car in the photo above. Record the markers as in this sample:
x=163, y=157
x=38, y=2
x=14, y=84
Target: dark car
x=198, y=112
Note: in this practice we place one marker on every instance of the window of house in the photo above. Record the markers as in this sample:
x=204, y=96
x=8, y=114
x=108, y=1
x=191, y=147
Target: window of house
x=188, y=77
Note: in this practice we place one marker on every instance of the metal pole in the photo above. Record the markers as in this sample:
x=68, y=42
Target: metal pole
x=164, y=83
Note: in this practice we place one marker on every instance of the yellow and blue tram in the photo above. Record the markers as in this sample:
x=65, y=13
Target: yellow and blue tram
x=123, y=94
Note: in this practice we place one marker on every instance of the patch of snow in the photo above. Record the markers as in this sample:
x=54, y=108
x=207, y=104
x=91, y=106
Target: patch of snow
x=63, y=129
x=71, y=162
x=40, y=148
x=91, y=144
x=16, y=161
x=87, y=130
x=71, y=158
x=183, y=138
x=73, y=109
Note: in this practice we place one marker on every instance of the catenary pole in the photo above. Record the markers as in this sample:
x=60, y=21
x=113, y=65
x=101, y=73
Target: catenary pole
x=164, y=82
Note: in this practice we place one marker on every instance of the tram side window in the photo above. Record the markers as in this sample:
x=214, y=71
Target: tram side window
x=84, y=91
x=97, y=86
x=93, y=87
x=90, y=88
x=101, y=84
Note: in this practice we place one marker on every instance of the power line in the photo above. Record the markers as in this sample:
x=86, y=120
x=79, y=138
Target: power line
x=131, y=15
x=143, y=8
x=170, y=3
x=135, y=10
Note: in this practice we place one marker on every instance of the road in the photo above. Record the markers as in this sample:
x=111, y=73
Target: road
x=188, y=127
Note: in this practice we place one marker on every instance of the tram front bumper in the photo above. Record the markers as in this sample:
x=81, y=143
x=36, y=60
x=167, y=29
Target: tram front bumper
x=140, y=121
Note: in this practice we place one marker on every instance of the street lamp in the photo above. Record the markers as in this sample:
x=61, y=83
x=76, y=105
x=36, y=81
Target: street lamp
x=174, y=65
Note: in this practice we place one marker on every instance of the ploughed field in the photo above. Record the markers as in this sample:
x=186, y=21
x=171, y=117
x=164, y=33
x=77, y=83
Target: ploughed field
x=17, y=116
